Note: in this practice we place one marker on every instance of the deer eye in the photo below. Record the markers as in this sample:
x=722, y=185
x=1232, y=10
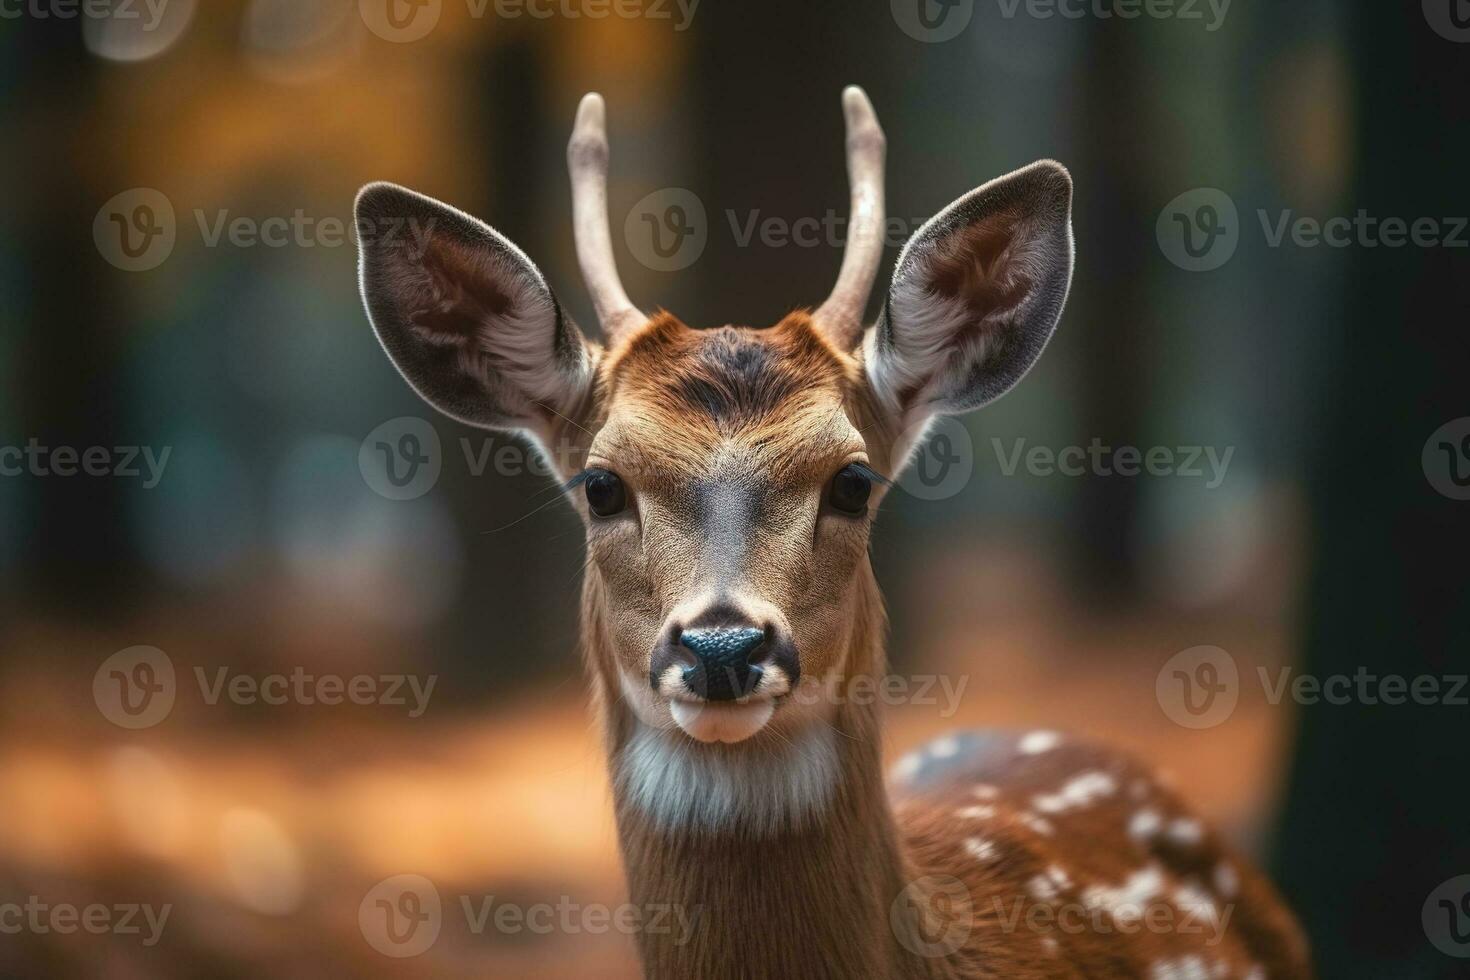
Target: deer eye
x=605, y=493
x=850, y=489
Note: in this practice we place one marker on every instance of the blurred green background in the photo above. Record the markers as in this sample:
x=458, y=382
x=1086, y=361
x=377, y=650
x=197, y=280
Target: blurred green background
x=263, y=548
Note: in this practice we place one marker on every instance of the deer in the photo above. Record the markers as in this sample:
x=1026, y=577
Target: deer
x=727, y=480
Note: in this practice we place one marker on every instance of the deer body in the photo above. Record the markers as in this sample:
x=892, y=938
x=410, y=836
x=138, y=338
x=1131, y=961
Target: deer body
x=727, y=480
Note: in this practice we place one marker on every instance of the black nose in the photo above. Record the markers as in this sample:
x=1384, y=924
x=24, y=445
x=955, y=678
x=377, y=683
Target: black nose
x=724, y=656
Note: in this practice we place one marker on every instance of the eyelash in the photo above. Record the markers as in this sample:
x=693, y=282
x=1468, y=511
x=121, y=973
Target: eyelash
x=872, y=474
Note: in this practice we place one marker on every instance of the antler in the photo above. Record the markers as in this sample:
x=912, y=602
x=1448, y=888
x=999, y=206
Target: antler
x=587, y=162
x=841, y=316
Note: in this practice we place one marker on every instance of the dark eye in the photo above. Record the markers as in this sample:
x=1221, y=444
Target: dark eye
x=850, y=489
x=605, y=493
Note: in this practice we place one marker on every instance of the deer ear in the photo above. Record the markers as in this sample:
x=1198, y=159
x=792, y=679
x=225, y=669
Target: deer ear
x=466, y=318
x=976, y=294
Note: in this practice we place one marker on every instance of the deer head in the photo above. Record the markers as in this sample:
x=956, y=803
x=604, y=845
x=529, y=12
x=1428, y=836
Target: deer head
x=727, y=477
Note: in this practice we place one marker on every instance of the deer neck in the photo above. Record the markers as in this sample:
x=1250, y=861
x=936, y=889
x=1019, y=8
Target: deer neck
x=765, y=858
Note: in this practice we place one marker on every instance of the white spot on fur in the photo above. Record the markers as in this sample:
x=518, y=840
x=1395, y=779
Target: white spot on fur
x=1227, y=880
x=1042, y=889
x=980, y=849
x=1195, y=902
x=980, y=812
x=1081, y=791
x=1144, y=824
x=1035, y=743
x=1184, y=968
x=985, y=791
x=760, y=785
x=1126, y=902
x=1186, y=832
x=1051, y=946
x=1040, y=825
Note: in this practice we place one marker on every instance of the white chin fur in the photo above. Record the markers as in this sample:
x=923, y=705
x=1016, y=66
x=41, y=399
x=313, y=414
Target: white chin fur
x=721, y=722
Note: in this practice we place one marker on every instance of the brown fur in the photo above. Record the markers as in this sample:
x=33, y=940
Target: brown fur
x=971, y=265
x=822, y=898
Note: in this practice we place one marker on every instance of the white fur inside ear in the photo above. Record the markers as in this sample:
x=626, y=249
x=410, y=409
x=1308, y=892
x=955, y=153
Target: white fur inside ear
x=976, y=294
x=758, y=785
x=923, y=347
x=520, y=345
x=465, y=316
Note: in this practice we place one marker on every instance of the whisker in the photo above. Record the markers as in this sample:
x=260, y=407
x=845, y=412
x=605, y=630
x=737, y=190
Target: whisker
x=523, y=517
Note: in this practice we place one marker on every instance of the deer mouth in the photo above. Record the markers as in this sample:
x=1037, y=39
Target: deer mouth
x=724, y=721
